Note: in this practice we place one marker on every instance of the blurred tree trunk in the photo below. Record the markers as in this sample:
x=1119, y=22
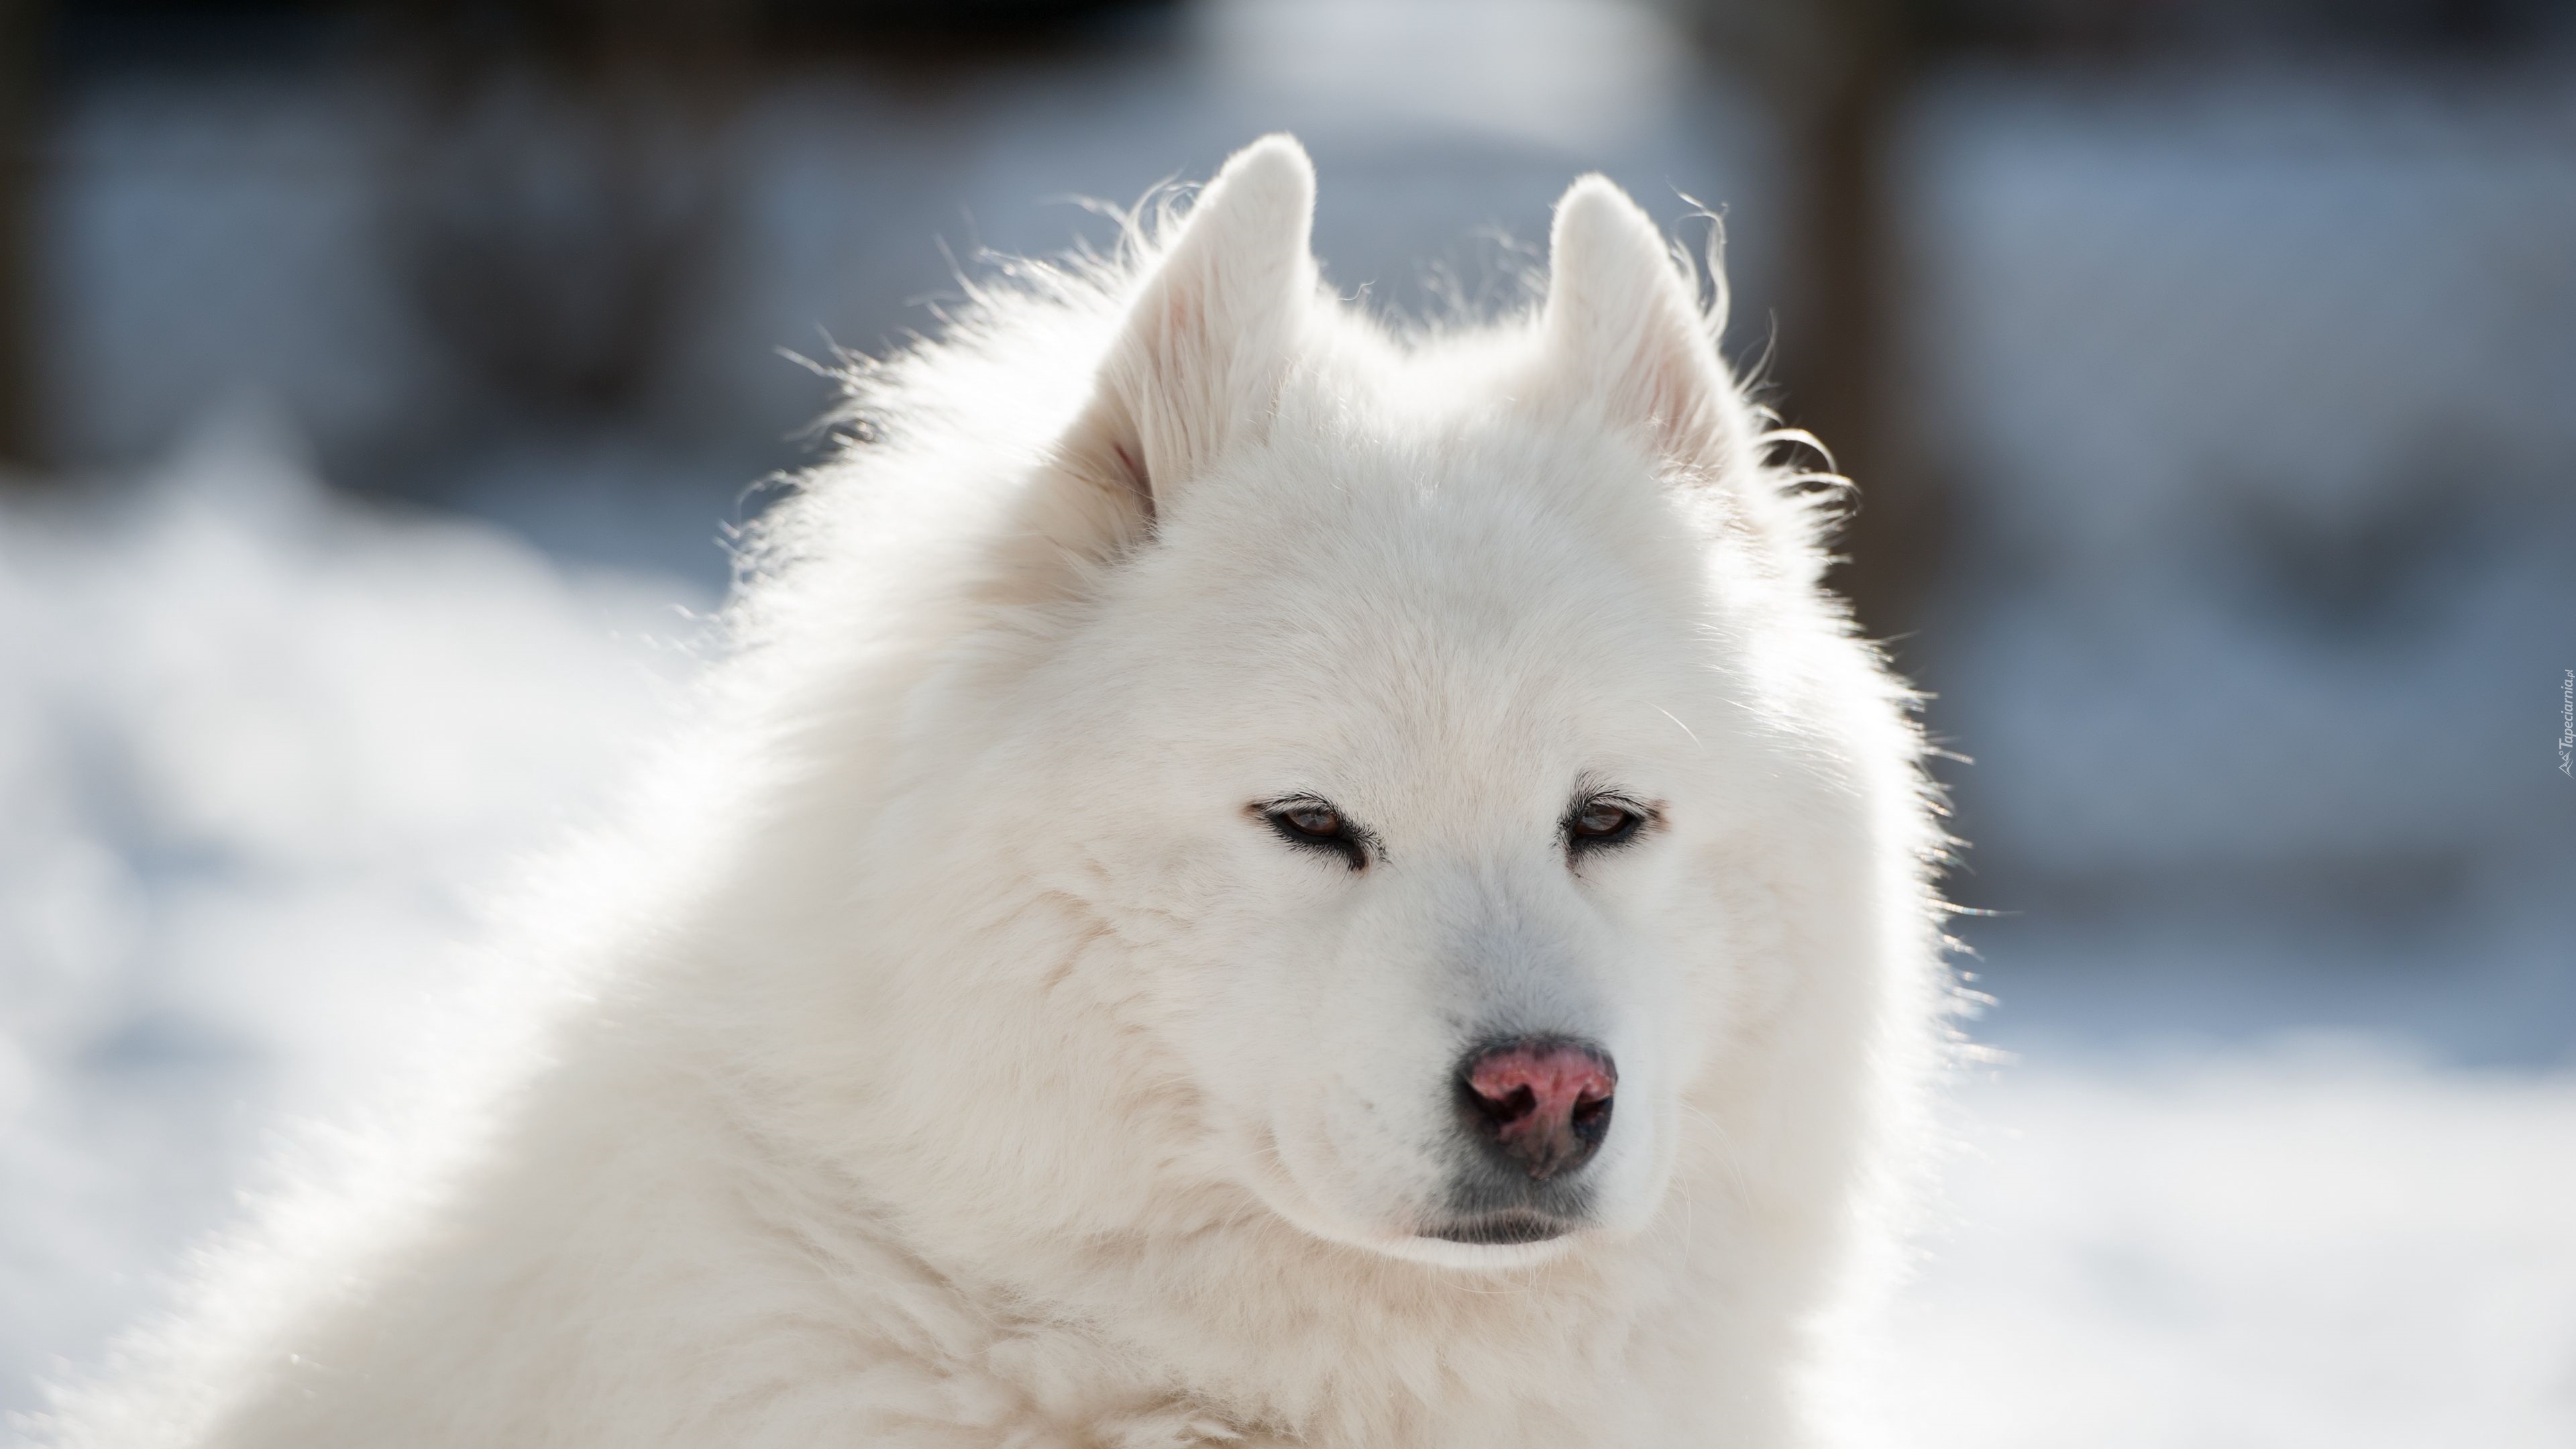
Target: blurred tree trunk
x=1836, y=74
x=563, y=186
x=21, y=35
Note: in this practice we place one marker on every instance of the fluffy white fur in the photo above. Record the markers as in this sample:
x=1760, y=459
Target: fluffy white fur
x=975, y=1066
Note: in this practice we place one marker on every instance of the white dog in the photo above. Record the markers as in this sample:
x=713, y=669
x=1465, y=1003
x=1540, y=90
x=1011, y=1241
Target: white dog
x=1267, y=881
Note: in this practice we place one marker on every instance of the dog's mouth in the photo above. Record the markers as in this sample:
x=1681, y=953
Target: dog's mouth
x=1502, y=1229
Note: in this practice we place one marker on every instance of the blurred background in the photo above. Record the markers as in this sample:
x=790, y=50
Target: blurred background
x=379, y=383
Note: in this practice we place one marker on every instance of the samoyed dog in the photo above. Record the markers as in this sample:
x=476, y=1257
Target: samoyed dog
x=1265, y=878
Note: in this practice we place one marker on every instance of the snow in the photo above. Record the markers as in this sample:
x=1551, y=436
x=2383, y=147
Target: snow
x=266, y=751
x=262, y=754
x=2315, y=1242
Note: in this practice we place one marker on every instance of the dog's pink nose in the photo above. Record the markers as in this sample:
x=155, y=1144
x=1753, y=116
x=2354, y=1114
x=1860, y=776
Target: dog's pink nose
x=1544, y=1103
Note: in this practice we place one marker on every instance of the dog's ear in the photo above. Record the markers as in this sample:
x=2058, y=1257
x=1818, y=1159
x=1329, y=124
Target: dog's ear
x=1201, y=356
x=1624, y=331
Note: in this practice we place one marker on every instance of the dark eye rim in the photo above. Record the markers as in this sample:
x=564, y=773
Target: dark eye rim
x=1352, y=843
x=1637, y=817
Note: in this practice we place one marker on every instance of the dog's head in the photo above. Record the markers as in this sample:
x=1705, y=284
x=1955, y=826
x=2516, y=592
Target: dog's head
x=1400, y=754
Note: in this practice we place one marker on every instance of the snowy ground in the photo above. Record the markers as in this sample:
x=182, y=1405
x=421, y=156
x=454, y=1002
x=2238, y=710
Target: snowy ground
x=262, y=752
x=2319, y=1243
x=261, y=756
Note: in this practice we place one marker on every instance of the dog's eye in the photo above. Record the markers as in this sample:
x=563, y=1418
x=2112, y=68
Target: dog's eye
x=1312, y=818
x=1311, y=824
x=1602, y=822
